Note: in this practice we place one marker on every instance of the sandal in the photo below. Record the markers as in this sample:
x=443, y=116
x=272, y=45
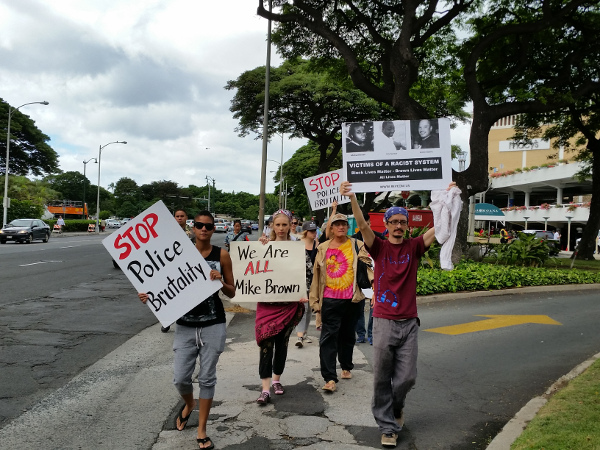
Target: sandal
x=277, y=388
x=182, y=420
x=204, y=441
x=263, y=399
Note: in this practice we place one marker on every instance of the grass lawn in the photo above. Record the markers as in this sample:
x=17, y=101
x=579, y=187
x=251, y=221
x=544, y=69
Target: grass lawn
x=570, y=419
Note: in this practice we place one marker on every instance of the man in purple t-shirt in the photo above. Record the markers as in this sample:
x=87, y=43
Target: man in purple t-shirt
x=395, y=319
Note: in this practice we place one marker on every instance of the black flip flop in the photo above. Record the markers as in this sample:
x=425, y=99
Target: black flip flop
x=204, y=441
x=182, y=420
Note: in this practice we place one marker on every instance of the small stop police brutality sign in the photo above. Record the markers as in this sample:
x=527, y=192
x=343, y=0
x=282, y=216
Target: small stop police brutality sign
x=159, y=259
x=323, y=189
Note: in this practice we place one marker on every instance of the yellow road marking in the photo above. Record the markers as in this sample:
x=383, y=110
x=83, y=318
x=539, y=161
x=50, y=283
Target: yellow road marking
x=495, y=321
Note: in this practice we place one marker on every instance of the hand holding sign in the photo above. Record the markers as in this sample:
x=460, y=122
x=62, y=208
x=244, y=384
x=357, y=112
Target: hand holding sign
x=346, y=189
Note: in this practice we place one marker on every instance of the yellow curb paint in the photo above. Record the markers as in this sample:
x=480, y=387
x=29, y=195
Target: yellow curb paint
x=495, y=321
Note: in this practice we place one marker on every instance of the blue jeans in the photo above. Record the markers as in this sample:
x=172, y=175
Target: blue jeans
x=370, y=326
x=360, y=324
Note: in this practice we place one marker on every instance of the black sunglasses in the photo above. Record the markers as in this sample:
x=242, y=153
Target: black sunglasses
x=208, y=226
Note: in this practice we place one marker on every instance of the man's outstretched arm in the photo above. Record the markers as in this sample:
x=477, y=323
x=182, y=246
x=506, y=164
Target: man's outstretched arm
x=367, y=233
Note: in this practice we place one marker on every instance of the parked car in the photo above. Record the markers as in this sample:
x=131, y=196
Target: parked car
x=247, y=226
x=220, y=227
x=25, y=230
x=190, y=223
x=255, y=225
x=548, y=236
x=125, y=220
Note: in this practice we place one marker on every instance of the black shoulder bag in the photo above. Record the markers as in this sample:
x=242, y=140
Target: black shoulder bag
x=362, y=275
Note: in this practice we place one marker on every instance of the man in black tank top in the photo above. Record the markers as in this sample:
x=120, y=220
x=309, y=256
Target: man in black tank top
x=200, y=333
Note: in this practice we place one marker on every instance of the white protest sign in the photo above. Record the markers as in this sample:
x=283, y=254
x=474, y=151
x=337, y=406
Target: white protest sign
x=159, y=259
x=272, y=272
x=399, y=155
x=324, y=189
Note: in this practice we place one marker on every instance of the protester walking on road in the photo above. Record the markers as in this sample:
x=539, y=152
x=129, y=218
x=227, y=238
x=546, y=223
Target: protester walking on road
x=395, y=319
x=335, y=293
x=275, y=322
x=181, y=217
x=200, y=333
x=309, y=238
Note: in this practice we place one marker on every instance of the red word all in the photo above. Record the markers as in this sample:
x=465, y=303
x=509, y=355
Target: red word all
x=256, y=269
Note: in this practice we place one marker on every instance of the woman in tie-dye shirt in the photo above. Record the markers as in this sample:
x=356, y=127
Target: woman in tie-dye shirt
x=335, y=293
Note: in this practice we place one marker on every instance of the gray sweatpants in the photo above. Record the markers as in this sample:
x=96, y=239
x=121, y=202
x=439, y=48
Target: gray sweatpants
x=395, y=348
x=207, y=343
x=302, y=326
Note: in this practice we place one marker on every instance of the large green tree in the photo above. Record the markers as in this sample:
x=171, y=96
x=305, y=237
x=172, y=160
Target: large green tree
x=126, y=190
x=29, y=149
x=21, y=188
x=512, y=57
x=307, y=99
x=69, y=185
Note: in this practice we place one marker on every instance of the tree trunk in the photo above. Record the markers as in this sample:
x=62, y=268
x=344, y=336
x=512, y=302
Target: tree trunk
x=587, y=245
x=473, y=180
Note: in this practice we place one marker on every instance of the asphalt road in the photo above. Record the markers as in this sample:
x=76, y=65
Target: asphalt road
x=63, y=306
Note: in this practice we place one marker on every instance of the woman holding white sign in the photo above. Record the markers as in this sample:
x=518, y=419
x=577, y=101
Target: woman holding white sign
x=275, y=322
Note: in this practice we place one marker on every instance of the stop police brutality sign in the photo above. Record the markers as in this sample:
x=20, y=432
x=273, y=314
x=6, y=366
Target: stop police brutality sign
x=324, y=189
x=159, y=259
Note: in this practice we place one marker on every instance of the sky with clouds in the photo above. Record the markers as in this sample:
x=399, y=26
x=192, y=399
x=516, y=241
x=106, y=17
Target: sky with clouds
x=151, y=73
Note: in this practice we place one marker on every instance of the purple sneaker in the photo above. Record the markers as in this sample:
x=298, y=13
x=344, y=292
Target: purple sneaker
x=264, y=398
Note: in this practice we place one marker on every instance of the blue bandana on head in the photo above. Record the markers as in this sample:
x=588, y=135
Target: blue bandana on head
x=393, y=211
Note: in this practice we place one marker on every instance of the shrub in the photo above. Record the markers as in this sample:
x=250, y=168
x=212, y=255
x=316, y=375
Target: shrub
x=527, y=250
x=470, y=276
x=72, y=224
x=22, y=209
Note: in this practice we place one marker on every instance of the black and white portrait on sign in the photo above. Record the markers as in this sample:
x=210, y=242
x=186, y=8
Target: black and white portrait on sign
x=425, y=133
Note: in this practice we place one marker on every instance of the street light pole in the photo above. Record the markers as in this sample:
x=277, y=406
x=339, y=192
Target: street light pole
x=208, y=180
x=84, y=183
x=5, y=199
x=569, y=217
x=98, y=196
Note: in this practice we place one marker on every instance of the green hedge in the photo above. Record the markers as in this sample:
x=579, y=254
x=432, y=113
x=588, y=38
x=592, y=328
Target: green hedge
x=72, y=224
x=469, y=276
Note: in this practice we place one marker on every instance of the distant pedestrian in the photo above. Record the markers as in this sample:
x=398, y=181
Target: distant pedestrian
x=503, y=236
x=236, y=234
x=362, y=334
x=60, y=222
x=395, y=319
x=309, y=235
x=102, y=225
